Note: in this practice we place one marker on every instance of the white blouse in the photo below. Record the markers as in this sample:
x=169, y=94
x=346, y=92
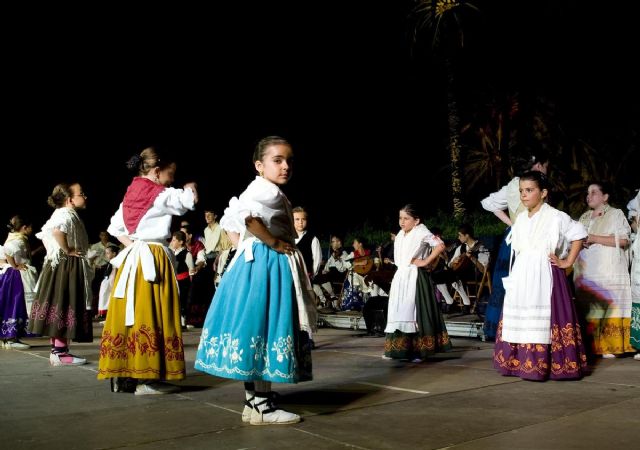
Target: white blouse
x=155, y=225
x=265, y=200
x=18, y=250
x=506, y=198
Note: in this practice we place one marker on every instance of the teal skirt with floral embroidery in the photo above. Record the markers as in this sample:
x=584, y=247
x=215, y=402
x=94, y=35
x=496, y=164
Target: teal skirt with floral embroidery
x=251, y=331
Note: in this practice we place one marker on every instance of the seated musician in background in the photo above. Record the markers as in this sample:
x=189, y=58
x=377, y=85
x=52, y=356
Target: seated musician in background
x=471, y=257
x=355, y=286
x=468, y=263
x=443, y=276
x=334, y=271
x=385, y=252
x=379, y=279
x=362, y=259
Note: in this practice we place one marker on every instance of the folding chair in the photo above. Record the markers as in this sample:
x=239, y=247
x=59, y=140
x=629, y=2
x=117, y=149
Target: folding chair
x=485, y=281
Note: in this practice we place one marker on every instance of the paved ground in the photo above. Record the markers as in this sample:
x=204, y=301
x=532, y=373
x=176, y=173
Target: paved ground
x=357, y=400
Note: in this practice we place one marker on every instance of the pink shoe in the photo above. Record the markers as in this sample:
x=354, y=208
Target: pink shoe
x=64, y=358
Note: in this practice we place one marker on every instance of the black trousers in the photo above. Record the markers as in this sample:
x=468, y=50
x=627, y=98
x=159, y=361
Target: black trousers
x=375, y=314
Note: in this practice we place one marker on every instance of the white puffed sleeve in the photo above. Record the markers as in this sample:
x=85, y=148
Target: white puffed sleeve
x=116, y=226
x=570, y=229
x=496, y=201
x=175, y=201
x=431, y=239
x=12, y=247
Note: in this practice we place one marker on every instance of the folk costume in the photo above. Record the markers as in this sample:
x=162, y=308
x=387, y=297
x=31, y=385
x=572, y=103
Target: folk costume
x=258, y=325
x=142, y=338
x=17, y=287
x=415, y=327
x=62, y=304
x=603, y=286
x=539, y=334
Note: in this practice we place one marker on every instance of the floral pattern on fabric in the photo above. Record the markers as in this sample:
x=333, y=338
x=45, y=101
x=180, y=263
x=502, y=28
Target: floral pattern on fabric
x=408, y=345
x=231, y=351
x=563, y=358
x=142, y=342
x=53, y=314
x=610, y=335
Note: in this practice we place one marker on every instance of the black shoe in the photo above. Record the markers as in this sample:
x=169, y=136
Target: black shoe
x=123, y=384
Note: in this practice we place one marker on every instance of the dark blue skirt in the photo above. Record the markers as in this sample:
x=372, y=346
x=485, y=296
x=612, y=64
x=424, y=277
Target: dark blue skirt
x=494, y=307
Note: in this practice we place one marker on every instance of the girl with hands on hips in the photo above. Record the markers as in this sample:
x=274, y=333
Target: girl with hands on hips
x=258, y=327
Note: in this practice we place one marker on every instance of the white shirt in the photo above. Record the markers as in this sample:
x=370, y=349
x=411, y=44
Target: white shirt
x=340, y=264
x=482, y=254
x=214, y=240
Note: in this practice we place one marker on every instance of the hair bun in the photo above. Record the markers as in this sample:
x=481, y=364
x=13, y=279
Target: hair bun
x=134, y=162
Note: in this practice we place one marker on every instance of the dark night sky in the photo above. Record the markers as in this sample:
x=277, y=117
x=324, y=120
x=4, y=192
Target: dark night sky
x=338, y=81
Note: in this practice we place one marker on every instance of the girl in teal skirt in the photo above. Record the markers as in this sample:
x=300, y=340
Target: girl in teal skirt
x=257, y=328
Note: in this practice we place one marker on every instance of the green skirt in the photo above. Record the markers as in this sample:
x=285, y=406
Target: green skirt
x=432, y=336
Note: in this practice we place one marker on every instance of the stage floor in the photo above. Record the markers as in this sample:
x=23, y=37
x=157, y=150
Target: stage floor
x=458, y=325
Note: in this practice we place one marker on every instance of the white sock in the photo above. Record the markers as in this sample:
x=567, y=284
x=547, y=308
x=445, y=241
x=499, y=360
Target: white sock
x=327, y=287
x=445, y=293
x=318, y=290
x=465, y=298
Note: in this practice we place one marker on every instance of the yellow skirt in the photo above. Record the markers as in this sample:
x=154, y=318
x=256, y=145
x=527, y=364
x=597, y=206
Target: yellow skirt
x=152, y=348
x=611, y=335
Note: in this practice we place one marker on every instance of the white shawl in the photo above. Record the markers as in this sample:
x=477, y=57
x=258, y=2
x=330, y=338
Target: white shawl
x=527, y=303
x=67, y=220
